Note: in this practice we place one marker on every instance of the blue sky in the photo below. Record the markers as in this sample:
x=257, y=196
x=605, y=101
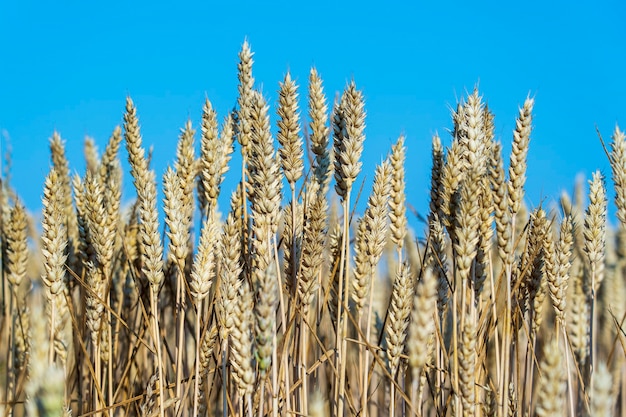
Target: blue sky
x=69, y=65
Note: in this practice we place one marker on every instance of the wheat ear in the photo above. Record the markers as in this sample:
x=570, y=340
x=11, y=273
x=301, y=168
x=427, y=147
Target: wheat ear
x=551, y=388
x=320, y=132
x=15, y=263
x=215, y=153
x=314, y=242
x=17, y=245
x=519, y=152
x=290, y=150
x=152, y=255
x=397, y=323
x=421, y=326
x=397, y=205
x=54, y=245
x=61, y=165
x=601, y=396
x=618, y=169
x=559, y=280
x=241, y=344
x=202, y=275
x=92, y=155
x=436, y=176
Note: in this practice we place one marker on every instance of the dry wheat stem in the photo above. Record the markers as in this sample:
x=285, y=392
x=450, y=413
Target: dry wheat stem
x=152, y=255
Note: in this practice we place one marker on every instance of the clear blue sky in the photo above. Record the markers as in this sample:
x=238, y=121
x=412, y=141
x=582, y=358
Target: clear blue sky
x=70, y=65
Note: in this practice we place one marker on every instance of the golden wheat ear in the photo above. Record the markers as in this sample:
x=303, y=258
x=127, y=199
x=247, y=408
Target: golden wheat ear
x=319, y=134
x=290, y=152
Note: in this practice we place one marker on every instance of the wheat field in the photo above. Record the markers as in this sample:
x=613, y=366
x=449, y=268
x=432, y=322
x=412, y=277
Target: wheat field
x=291, y=302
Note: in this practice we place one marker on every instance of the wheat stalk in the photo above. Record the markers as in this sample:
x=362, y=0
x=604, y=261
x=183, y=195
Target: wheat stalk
x=551, y=389
x=54, y=245
x=152, y=254
x=395, y=332
x=594, y=247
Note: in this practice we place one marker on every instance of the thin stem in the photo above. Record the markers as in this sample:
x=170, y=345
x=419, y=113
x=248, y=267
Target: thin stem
x=157, y=342
x=455, y=347
x=180, y=337
x=303, y=367
x=197, y=366
x=110, y=361
x=365, y=346
x=570, y=388
x=97, y=371
x=11, y=377
x=275, y=389
x=52, y=321
x=495, y=314
x=341, y=335
x=224, y=379
x=507, y=332
x=261, y=399
x=392, y=402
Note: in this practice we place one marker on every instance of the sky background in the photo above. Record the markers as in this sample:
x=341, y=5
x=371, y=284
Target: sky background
x=69, y=65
